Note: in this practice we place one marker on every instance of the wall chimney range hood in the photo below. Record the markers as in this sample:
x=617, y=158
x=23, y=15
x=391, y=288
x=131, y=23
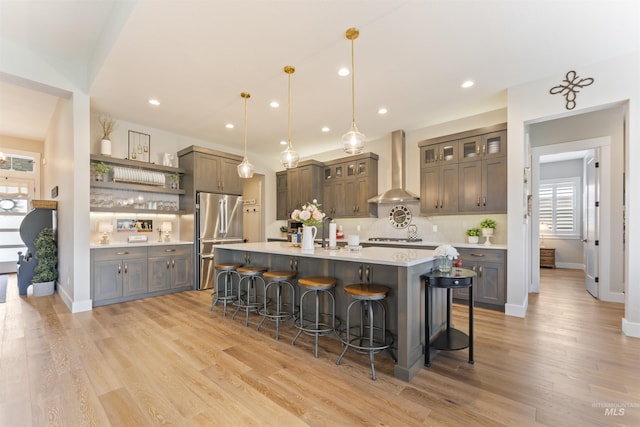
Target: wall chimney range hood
x=397, y=193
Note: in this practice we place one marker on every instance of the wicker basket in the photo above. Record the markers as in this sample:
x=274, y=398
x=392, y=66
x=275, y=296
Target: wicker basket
x=44, y=204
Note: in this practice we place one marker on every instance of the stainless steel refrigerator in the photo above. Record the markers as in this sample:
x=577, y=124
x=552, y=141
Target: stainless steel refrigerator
x=218, y=221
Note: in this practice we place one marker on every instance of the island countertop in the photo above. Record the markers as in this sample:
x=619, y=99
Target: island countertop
x=399, y=257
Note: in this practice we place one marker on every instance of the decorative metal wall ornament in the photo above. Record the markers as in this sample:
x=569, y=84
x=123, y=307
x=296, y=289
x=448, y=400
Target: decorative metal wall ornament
x=570, y=88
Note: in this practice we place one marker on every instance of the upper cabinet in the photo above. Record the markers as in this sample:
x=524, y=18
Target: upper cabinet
x=469, y=172
x=342, y=186
x=208, y=171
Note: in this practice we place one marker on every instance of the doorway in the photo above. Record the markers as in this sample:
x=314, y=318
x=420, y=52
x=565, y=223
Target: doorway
x=586, y=227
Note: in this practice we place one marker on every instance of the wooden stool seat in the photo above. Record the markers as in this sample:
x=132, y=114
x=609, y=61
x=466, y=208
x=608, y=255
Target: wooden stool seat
x=366, y=291
x=279, y=275
x=319, y=288
x=251, y=270
x=317, y=282
x=224, y=266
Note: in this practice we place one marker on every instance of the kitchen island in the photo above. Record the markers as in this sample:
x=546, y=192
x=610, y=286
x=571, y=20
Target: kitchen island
x=398, y=268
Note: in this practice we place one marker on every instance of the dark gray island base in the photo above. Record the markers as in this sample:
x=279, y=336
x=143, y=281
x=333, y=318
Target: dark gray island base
x=399, y=269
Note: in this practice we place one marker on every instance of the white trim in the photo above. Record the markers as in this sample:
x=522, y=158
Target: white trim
x=516, y=310
x=75, y=306
x=630, y=329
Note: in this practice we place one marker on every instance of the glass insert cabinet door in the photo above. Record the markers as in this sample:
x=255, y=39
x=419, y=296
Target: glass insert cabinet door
x=441, y=153
x=333, y=172
x=357, y=168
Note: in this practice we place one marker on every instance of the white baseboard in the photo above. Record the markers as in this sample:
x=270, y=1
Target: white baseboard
x=74, y=306
x=612, y=297
x=571, y=265
x=630, y=329
x=516, y=310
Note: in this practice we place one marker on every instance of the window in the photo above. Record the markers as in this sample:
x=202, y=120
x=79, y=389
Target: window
x=560, y=208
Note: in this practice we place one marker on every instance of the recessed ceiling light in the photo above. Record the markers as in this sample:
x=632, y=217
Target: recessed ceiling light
x=382, y=110
x=467, y=84
x=274, y=104
x=154, y=101
x=283, y=142
x=229, y=126
x=343, y=72
x=325, y=129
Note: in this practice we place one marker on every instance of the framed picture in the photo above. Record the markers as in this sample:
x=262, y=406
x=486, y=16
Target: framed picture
x=139, y=146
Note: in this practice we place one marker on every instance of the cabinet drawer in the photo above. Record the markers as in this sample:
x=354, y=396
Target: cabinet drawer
x=119, y=253
x=482, y=255
x=169, y=250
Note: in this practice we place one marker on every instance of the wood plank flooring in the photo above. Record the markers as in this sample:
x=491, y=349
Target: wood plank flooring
x=169, y=361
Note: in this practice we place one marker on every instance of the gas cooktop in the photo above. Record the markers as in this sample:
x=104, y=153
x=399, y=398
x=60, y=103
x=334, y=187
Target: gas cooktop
x=394, y=239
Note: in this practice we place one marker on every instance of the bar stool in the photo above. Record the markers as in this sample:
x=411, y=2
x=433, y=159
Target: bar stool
x=369, y=338
x=323, y=323
x=281, y=311
x=226, y=271
x=248, y=300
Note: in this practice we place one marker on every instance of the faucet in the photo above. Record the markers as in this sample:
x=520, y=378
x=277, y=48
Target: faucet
x=325, y=244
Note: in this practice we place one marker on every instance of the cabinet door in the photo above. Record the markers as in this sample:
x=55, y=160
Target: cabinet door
x=494, y=184
x=181, y=271
x=362, y=196
x=429, y=190
x=494, y=144
x=282, y=212
x=230, y=181
x=159, y=273
x=207, y=173
x=491, y=286
x=134, y=280
x=107, y=279
x=470, y=187
x=470, y=149
x=448, y=188
x=310, y=182
x=293, y=189
x=350, y=197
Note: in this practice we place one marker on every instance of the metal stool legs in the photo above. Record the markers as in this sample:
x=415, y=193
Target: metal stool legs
x=280, y=312
x=227, y=296
x=249, y=300
x=320, y=325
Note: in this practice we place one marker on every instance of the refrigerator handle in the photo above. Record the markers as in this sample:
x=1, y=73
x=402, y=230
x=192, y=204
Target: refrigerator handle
x=223, y=215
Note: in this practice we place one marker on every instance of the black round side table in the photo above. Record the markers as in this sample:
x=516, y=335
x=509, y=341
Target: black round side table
x=450, y=338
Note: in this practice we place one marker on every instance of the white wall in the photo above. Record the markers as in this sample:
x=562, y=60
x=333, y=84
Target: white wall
x=615, y=82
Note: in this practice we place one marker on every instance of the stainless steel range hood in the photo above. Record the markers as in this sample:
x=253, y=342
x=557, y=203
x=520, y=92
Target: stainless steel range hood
x=397, y=193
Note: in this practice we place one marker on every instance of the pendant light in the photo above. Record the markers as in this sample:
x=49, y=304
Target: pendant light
x=288, y=157
x=353, y=141
x=245, y=169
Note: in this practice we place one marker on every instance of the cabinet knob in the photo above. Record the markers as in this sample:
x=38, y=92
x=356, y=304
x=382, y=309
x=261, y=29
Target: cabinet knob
x=478, y=202
x=122, y=253
x=479, y=255
x=484, y=201
x=119, y=268
x=167, y=264
x=126, y=268
x=169, y=250
x=173, y=263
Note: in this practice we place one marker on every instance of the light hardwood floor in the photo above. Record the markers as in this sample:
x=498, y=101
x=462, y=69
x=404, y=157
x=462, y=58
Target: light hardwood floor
x=168, y=360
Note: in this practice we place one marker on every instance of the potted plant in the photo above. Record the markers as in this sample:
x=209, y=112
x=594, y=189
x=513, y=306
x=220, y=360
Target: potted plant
x=46, y=271
x=101, y=169
x=174, y=180
x=473, y=234
x=284, y=230
x=487, y=226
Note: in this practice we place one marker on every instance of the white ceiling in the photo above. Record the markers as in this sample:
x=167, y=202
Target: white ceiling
x=197, y=56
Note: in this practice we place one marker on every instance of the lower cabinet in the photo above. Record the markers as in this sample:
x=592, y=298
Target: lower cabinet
x=169, y=268
x=123, y=274
x=490, y=290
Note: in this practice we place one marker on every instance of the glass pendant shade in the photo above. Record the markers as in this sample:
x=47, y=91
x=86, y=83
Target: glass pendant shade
x=353, y=141
x=289, y=158
x=245, y=169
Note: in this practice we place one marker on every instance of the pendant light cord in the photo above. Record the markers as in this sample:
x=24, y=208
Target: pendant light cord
x=353, y=85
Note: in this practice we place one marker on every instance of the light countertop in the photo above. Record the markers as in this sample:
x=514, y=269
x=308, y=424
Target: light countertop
x=402, y=257
x=136, y=244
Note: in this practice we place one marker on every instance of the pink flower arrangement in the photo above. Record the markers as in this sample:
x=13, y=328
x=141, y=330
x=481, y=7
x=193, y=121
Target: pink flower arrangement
x=310, y=214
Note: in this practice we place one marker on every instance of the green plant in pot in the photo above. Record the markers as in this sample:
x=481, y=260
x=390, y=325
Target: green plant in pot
x=101, y=169
x=46, y=272
x=473, y=234
x=284, y=230
x=487, y=226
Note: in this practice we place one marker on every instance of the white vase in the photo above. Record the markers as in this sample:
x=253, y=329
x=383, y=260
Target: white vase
x=474, y=239
x=487, y=232
x=105, y=147
x=308, y=236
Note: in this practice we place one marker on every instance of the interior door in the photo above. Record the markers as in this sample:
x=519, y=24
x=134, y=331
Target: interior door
x=591, y=226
